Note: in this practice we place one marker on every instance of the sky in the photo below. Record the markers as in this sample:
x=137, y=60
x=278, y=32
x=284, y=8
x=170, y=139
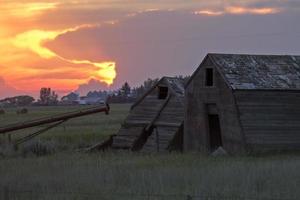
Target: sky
x=81, y=45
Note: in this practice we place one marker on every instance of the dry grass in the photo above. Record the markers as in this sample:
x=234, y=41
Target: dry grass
x=137, y=176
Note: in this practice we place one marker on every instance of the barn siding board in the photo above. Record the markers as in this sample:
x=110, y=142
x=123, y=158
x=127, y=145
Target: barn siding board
x=165, y=137
x=270, y=117
x=172, y=114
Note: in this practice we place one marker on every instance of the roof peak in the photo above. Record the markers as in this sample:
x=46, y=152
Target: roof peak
x=245, y=54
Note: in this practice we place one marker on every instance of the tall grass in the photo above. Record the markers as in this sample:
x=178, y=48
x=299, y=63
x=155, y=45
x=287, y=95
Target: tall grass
x=79, y=132
x=138, y=176
x=124, y=175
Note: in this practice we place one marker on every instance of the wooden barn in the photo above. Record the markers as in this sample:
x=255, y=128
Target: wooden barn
x=243, y=103
x=155, y=121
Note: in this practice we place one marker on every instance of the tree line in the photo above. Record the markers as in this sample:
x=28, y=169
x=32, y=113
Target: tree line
x=125, y=94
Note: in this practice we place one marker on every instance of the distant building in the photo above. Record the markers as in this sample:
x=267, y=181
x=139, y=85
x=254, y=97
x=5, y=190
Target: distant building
x=90, y=100
x=243, y=103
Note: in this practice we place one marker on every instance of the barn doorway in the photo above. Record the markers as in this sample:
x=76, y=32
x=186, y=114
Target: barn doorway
x=215, y=137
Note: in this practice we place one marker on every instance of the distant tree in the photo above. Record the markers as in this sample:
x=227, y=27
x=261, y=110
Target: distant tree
x=45, y=95
x=125, y=90
x=140, y=90
x=149, y=83
x=24, y=100
x=48, y=97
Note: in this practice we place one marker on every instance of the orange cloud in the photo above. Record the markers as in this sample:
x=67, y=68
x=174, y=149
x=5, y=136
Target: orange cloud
x=25, y=9
x=237, y=10
x=28, y=64
x=244, y=10
x=33, y=40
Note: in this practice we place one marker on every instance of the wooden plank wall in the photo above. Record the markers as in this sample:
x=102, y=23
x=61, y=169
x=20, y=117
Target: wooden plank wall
x=196, y=132
x=270, y=119
x=144, y=112
x=167, y=125
x=138, y=118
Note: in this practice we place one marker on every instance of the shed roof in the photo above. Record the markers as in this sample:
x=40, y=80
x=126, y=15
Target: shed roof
x=280, y=72
x=176, y=86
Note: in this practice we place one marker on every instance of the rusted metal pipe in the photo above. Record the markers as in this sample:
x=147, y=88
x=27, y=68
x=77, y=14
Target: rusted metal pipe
x=57, y=118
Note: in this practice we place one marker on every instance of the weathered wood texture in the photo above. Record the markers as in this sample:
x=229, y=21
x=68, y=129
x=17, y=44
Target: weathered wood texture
x=150, y=112
x=146, y=110
x=160, y=139
x=196, y=133
x=136, y=121
x=257, y=99
x=126, y=137
x=270, y=119
x=166, y=127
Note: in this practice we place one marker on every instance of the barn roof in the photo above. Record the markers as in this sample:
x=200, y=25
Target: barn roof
x=176, y=86
x=259, y=71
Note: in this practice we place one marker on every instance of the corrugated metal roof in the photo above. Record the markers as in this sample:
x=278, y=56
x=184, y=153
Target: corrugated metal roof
x=259, y=71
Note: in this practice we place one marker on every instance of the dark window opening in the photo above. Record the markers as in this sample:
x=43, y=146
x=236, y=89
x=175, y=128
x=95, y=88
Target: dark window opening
x=209, y=78
x=162, y=92
x=215, y=137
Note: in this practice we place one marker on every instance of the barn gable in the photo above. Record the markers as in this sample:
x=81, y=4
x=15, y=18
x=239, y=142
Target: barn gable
x=210, y=102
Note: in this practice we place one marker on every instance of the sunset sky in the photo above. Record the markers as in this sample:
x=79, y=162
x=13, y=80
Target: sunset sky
x=86, y=45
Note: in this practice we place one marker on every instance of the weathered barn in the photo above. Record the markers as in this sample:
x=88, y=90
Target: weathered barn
x=243, y=103
x=155, y=121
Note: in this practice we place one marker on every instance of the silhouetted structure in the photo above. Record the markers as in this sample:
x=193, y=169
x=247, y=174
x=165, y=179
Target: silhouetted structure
x=155, y=121
x=243, y=103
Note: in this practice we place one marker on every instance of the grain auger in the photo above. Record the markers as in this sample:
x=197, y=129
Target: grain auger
x=53, y=121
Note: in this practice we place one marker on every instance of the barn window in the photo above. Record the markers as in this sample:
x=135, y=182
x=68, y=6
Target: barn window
x=209, y=77
x=162, y=92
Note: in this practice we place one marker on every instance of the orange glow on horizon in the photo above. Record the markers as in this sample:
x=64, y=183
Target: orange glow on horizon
x=27, y=64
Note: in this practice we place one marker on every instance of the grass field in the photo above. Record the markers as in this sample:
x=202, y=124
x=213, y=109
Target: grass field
x=137, y=176
x=79, y=132
x=69, y=174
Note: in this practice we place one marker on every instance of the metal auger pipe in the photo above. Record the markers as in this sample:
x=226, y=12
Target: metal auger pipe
x=53, y=119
